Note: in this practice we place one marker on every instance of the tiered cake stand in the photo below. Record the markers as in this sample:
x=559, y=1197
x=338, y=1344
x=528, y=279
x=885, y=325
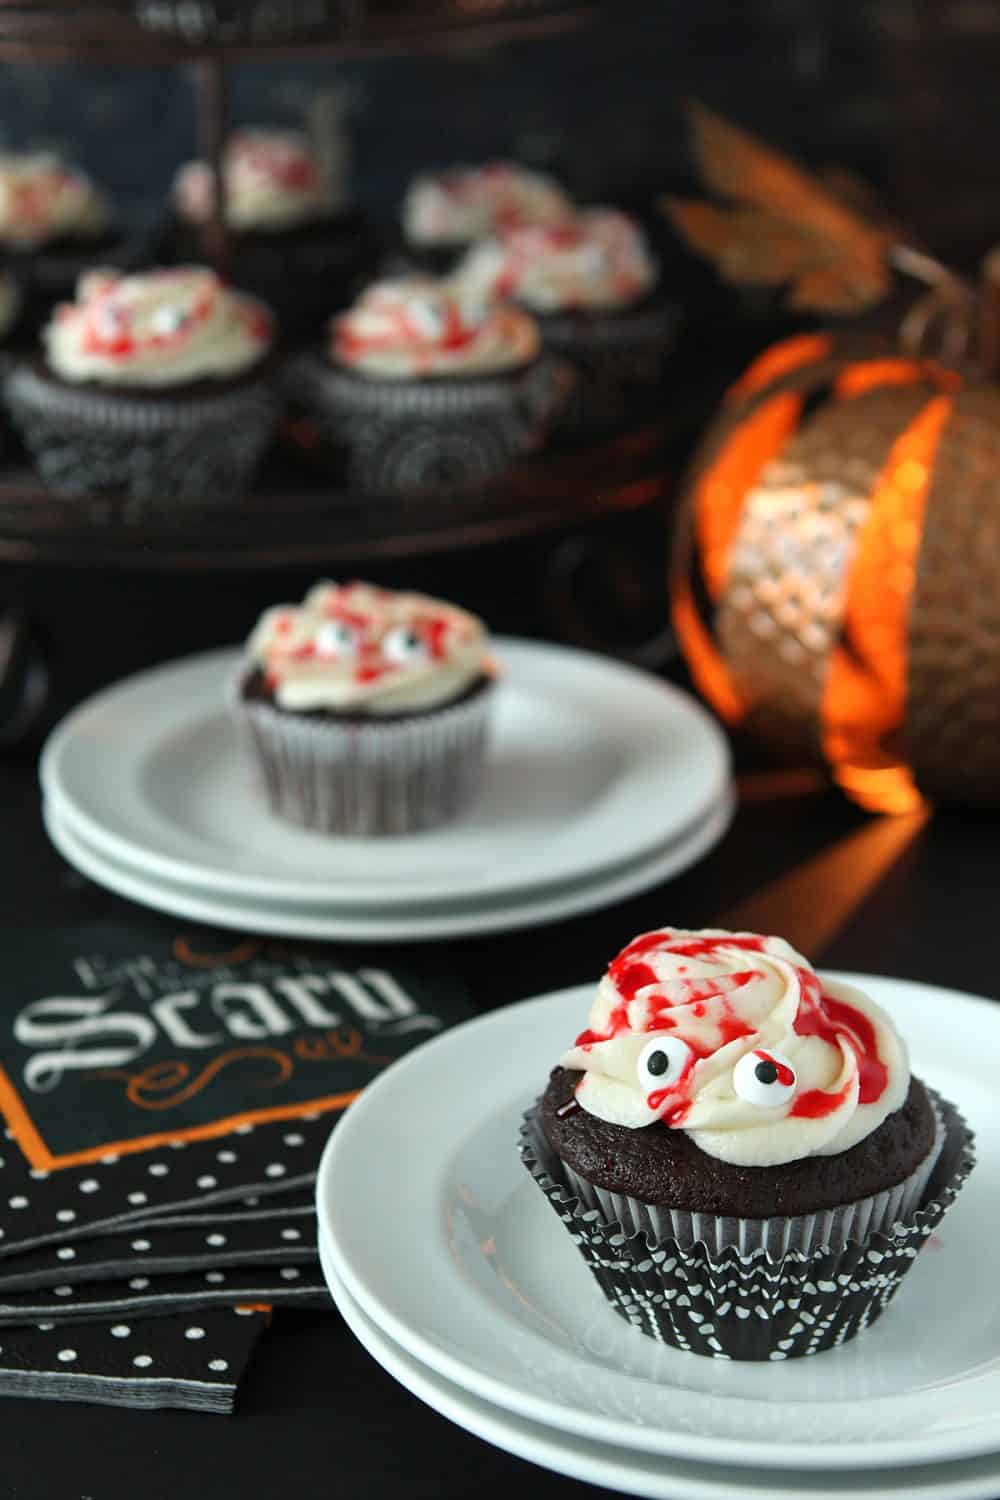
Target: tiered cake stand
x=292, y=520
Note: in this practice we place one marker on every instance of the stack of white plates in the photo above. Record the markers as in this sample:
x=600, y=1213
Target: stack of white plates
x=453, y=1270
x=602, y=781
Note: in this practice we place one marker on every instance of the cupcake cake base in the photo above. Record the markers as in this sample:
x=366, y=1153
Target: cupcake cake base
x=360, y=774
x=304, y=274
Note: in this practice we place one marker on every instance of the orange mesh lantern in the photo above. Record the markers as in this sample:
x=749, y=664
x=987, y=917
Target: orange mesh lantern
x=836, y=582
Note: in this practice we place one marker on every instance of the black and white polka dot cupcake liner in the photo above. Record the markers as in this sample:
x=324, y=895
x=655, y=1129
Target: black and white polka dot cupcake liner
x=743, y=1301
x=152, y=452
x=617, y=359
x=421, y=437
x=368, y=777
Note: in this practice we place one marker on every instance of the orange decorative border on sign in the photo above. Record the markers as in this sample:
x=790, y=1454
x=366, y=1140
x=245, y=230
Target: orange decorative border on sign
x=27, y=1135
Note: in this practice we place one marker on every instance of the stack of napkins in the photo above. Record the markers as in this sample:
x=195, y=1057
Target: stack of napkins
x=166, y=1098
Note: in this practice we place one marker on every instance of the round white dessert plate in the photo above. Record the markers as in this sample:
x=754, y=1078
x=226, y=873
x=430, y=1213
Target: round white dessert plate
x=366, y=925
x=592, y=764
x=443, y=1240
x=646, y=1474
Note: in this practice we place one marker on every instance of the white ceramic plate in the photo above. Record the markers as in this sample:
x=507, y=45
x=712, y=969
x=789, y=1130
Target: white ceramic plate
x=442, y=1239
x=364, y=925
x=593, y=764
x=644, y=1474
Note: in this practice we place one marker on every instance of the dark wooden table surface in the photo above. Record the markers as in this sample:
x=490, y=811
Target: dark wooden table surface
x=913, y=897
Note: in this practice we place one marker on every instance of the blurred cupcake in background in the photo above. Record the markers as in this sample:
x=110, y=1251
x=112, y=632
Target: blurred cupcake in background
x=423, y=387
x=367, y=711
x=295, y=241
x=54, y=223
x=446, y=212
x=153, y=387
x=591, y=282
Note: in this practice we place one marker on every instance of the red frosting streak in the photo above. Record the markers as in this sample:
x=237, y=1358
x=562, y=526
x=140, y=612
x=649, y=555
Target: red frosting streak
x=835, y=1021
x=814, y=1104
x=632, y=978
x=436, y=634
x=785, y=1073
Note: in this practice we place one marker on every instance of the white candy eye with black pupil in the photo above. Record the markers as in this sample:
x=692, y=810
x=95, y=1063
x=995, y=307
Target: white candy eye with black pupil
x=427, y=319
x=170, y=318
x=765, y=1079
x=662, y=1062
x=404, y=645
x=336, y=638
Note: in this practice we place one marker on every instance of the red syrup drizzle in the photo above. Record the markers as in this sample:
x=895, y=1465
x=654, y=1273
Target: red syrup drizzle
x=784, y=1072
x=835, y=1021
x=819, y=1014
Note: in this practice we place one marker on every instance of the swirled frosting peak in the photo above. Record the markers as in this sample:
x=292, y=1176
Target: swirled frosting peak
x=274, y=179
x=355, y=648
x=733, y=1038
x=156, y=328
x=463, y=204
x=418, y=326
x=43, y=199
x=599, y=259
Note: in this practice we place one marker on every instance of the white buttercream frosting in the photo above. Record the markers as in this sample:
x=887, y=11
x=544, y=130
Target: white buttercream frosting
x=156, y=328
x=274, y=179
x=360, y=649
x=599, y=259
x=10, y=303
x=43, y=199
x=463, y=204
x=734, y=1039
x=419, y=326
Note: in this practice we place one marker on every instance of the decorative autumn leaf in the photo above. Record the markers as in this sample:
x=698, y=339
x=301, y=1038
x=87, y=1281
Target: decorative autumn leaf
x=779, y=224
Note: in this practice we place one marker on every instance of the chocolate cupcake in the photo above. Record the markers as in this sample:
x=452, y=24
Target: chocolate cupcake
x=739, y=1148
x=294, y=240
x=154, y=388
x=423, y=390
x=367, y=711
x=444, y=213
x=55, y=223
x=590, y=283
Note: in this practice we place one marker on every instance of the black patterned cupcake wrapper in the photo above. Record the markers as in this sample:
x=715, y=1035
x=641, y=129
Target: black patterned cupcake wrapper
x=748, y=1304
x=399, y=437
x=154, y=452
x=368, y=777
x=618, y=360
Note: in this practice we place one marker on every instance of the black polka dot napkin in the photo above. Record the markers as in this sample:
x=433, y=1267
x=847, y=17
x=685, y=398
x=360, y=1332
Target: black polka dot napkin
x=251, y=1238
x=156, y=1295
x=165, y=1100
x=171, y=1361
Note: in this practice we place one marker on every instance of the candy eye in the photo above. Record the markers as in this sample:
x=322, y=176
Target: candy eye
x=764, y=1078
x=168, y=319
x=336, y=638
x=427, y=319
x=111, y=321
x=662, y=1062
x=404, y=645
